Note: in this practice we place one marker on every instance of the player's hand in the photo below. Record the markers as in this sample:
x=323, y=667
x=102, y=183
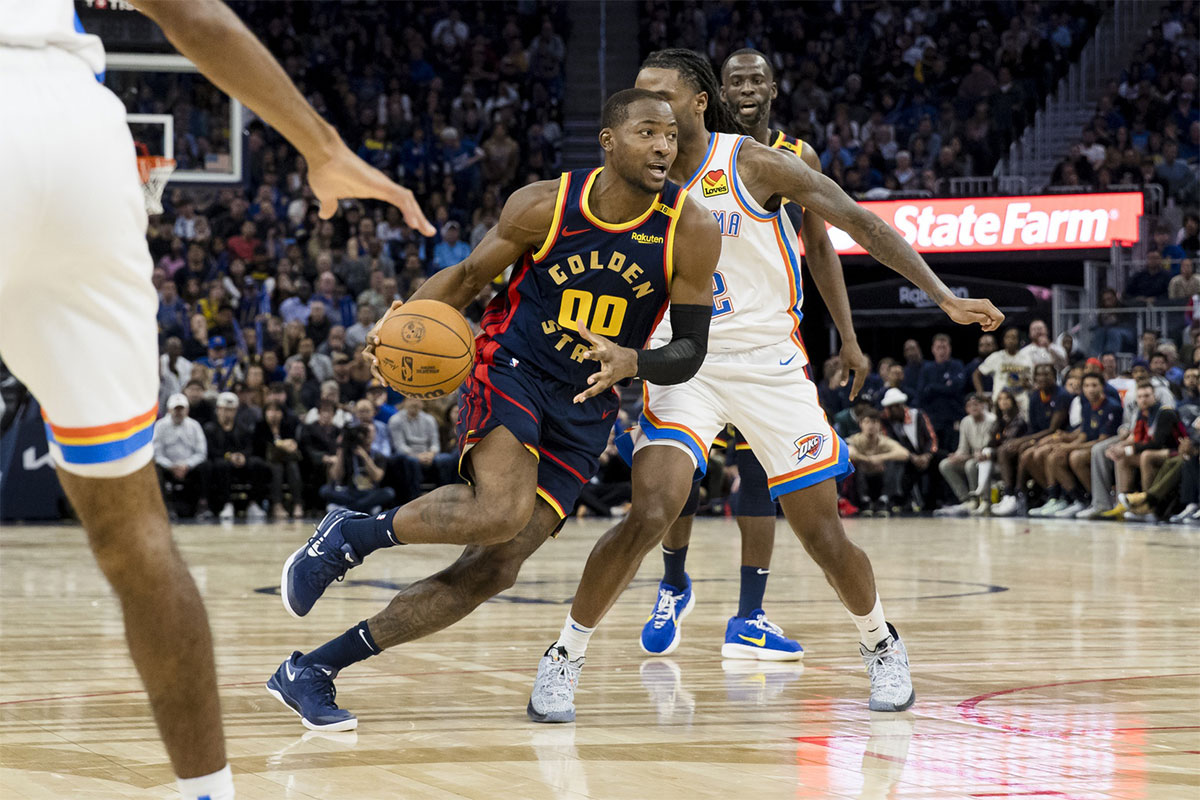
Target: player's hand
x=342, y=175
x=968, y=311
x=616, y=364
x=368, y=352
x=854, y=361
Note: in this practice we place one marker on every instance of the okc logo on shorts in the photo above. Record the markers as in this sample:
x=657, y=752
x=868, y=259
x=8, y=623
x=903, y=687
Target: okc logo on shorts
x=714, y=182
x=412, y=332
x=808, y=446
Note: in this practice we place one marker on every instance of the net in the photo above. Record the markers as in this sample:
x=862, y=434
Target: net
x=154, y=171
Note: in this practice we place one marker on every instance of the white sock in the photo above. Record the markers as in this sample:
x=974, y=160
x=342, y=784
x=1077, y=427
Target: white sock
x=574, y=637
x=217, y=786
x=872, y=628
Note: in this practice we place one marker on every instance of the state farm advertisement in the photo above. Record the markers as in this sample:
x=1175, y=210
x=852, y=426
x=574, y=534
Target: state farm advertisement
x=1006, y=224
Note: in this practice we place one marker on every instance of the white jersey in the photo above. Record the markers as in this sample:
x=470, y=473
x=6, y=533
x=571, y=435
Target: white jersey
x=49, y=23
x=757, y=290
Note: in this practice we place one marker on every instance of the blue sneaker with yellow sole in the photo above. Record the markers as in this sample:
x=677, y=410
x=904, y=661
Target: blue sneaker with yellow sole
x=756, y=637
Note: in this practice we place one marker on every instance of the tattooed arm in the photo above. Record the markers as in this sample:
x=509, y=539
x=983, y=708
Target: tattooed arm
x=771, y=174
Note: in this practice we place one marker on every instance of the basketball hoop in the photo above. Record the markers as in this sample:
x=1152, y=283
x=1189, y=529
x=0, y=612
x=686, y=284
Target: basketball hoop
x=154, y=171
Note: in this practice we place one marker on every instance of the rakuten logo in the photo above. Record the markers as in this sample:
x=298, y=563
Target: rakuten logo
x=1045, y=222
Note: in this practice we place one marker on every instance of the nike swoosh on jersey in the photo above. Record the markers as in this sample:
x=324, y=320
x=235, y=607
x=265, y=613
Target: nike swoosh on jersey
x=759, y=642
x=783, y=363
x=566, y=232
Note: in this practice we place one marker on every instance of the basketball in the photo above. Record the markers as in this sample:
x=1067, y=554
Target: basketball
x=425, y=349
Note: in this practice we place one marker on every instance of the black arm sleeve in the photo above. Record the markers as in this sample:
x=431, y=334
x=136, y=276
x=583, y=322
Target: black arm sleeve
x=679, y=359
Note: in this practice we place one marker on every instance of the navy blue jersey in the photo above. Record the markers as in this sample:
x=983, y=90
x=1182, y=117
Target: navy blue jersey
x=1102, y=421
x=614, y=278
x=1042, y=410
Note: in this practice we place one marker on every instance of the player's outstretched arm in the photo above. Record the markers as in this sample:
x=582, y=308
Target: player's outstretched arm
x=696, y=250
x=826, y=269
x=784, y=175
x=229, y=55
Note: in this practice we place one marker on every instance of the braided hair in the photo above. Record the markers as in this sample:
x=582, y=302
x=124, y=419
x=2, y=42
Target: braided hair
x=697, y=70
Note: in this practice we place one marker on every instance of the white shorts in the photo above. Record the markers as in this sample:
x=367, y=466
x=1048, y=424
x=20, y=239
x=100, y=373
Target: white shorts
x=77, y=309
x=767, y=395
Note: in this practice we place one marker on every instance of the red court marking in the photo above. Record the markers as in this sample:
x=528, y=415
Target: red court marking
x=969, y=710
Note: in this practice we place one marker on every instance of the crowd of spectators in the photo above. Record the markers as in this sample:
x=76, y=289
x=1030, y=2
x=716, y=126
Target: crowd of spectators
x=265, y=308
x=1029, y=425
x=1146, y=129
x=895, y=96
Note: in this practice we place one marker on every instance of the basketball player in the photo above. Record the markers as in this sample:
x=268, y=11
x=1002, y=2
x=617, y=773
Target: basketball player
x=754, y=378
x=77, y=316
x=747, y=89
x=600, y=252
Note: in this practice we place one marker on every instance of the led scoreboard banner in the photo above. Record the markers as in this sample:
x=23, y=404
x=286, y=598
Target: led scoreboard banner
x=1006, y=224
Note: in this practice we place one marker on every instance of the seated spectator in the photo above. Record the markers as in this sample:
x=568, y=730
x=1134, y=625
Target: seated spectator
x=1150, y=285
x=1188, y=236
x=985, y=347
x=1175, y=174
x=848, y=421
x=940, y=390
x=1184, y=285
x=276, y=442
x=172, y=360
x=961, y=468
x=200, y=408
x=355, y=474
x=331, y=392
x=224, y=367
x=181, y=456
x=1176, y=484
x=416, y=441
x=1041, y=350
x=1009, y=368
x=232, y=460
x=1140, y=371
x=878, y=462
x=1010, y=425
x=1048, y=405
x=1155, y=434
x=356, y=334
x=451, y=249
x=1071, y=454
x=914, y=361
x=913, y=430
x=1163, y=245
x=365, y=415
x=320, y=367
x=349, y=390
x=319, y=443
x=319, y=323
x=827, y=389
x=609, y=492
x=1112, y=332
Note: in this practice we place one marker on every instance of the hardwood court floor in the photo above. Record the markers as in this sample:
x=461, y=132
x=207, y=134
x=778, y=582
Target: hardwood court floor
x=1050, y=660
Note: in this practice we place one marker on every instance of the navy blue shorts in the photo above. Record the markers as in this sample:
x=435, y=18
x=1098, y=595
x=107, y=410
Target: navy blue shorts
x=566, y=438
x=753, y=497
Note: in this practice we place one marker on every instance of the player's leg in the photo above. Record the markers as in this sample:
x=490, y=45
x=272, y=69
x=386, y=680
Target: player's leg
x=749, y=634
x=77, y=326
x=166, y=627
x=304, y=681
x=1149, y=463
x=498, y=437
x=805, y=459
x=661, y=634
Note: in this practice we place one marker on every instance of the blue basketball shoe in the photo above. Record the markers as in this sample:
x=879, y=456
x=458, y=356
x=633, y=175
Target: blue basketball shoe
x=309, y=691
x=757, y=637
x=324, y=559
x=660, y=634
